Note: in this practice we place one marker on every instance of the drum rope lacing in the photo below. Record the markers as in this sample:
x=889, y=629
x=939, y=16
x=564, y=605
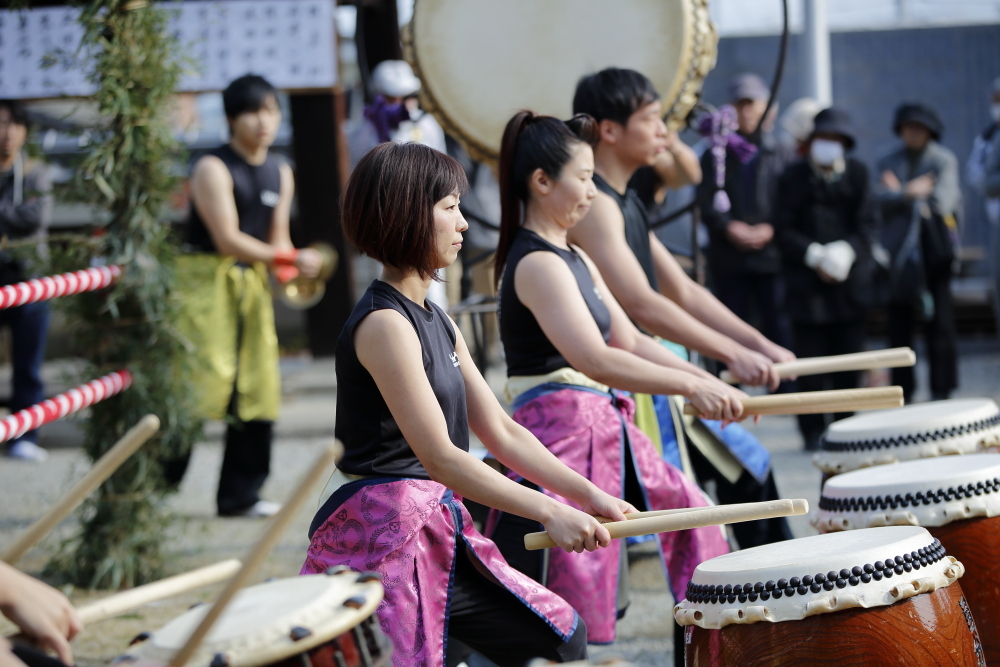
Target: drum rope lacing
x=858, y=574
x=858, y=504
x=912, y=439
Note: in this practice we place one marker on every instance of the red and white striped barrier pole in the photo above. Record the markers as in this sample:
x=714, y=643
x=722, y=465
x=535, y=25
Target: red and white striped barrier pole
x=51, y=287
x=64, y=404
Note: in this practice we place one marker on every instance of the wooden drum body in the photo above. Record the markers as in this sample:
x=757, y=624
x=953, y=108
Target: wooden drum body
x=925, y=430
x=322, y=620
x=481, y=62
x=867, y=598
x=957, y=499
x=878, y=636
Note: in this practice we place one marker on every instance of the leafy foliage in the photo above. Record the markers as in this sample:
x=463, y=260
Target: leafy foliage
x=128, y=172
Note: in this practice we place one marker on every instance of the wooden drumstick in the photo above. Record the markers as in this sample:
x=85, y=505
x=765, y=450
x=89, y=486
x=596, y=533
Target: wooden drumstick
x=896, y=357
x=101, y=470
x=819, y=402
x=158, y=590
x=255, y=557
x=693, y=518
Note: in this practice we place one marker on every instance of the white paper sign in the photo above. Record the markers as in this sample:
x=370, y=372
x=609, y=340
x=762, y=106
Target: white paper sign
x=291, y=43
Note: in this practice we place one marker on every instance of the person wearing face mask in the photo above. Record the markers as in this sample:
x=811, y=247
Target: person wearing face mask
x=920, y=200
x=982, y=173
x=241, y=195
x=824, y=220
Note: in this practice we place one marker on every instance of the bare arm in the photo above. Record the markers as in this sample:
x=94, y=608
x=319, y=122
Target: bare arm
x=389, y=349
x=702, y=305
x=678, y=165
x=515, y=446
x=280, y=219
x=602, y=235
x=546, y=286
x=212, y=193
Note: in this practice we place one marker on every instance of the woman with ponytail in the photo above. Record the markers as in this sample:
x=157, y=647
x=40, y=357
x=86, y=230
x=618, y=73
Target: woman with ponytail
x=568, y=343
x=408, y=394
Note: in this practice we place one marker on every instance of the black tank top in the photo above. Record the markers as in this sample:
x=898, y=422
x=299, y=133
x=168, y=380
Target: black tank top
x=636, y=226
x=525, y=345
x=373, y=443
x=256, y=189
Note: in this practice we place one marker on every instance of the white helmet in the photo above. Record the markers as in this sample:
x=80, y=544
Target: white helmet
x=797, y=121
x=394, y=78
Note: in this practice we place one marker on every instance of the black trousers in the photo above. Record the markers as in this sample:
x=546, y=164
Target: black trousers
x=817, y=340
x=29, y=328
x=245, y=465
x=942, y=346
x=756, y=298
x=33, y=657
x=487, y=618
x=746, y=489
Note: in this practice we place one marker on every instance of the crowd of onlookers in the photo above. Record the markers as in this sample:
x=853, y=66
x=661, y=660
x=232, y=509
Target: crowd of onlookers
x=804, y=239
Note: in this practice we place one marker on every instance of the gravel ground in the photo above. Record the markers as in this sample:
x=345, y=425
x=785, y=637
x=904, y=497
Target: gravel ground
x=197, y=537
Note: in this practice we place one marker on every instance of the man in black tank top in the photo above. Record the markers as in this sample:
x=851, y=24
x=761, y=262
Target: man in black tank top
x=241, y=195
x=655, y=291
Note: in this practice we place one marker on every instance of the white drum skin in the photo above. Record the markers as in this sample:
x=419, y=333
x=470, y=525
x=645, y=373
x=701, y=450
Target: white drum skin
x=481, y=62
x=925, y=430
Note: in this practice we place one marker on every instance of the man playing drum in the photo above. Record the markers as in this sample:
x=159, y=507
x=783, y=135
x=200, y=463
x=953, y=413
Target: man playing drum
x=635, y=264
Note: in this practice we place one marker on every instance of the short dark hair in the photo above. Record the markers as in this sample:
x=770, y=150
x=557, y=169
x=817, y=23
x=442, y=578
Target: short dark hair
x=613, y=94
x=247, y=94
x=532, y=142
x=18, y=112
x=389, y=203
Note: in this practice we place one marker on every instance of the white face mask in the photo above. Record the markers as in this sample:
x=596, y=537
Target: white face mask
x=825, y=152
x=995, y=112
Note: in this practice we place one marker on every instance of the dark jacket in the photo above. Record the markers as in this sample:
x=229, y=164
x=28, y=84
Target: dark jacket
x=751, y=189
x=810, y=209
x=25, y=212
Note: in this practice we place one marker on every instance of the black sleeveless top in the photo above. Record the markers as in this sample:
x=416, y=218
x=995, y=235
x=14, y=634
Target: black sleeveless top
x=525, y=345
x=373, y=444
x=636, y=226
x=256, y=189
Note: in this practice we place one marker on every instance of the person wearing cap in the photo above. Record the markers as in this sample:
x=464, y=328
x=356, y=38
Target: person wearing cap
x=920, y=200
x=743, y=259
x=394, y=114
x=824, y=219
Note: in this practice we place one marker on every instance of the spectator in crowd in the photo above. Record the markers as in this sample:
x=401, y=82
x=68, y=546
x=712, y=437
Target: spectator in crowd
x=25, y=213
x=796, y=125
x=982, y=173
x=920, y=199
x=744, y=260
x=394, y=114
x=824, y=221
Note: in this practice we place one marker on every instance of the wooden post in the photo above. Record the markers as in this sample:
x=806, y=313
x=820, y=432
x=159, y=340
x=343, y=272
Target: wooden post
x=320, y=174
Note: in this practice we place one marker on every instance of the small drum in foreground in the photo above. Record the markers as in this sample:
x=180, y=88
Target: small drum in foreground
x=921, y=431
x=874, y=597
x=956, y=498
x=322, y=620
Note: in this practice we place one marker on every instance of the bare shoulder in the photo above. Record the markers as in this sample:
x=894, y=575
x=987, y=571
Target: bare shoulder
x=539, y=266
x=209, y=168
x=385, y=331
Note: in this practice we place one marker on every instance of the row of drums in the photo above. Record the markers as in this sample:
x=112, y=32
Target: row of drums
x=909, y=506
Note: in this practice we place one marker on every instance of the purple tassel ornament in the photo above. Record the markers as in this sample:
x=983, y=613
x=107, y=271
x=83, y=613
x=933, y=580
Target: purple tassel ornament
x=721, y=128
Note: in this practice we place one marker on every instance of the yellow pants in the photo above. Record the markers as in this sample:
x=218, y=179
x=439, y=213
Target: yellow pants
x=227, y=315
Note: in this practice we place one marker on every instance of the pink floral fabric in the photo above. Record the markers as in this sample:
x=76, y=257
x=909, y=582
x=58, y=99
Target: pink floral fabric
x=587, y=431
x=409, y=531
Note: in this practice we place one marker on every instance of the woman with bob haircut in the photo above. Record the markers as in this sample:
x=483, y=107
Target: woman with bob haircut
x=407, y=395
x=567, y=342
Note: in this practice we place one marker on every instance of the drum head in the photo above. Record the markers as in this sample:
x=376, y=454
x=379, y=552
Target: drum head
x=824, y=573
x=257, y=627
x=481, y=62
x=928, y=492
x=926, y=430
